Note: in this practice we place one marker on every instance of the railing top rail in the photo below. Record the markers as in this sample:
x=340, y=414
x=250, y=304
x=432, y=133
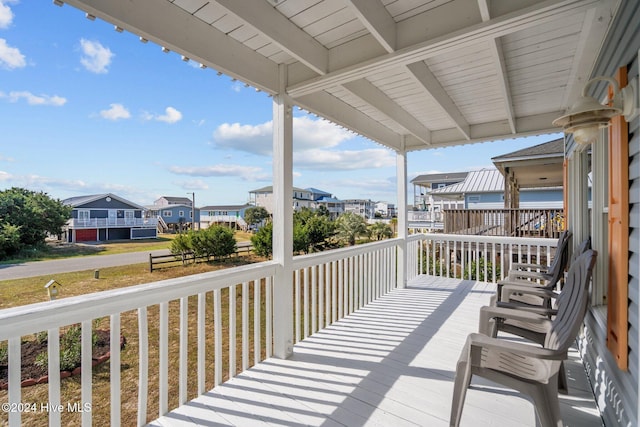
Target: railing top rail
x=23, y=320
x=303, y=261
x=530, y=241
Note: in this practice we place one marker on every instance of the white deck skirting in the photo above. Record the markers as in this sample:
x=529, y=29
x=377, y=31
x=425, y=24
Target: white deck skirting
x=391, y=363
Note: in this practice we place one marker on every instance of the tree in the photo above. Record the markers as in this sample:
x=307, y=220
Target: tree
x=262, y=241
x=27, y=218
x=349, y=227
x=181, y=245
x=380, y=231
x=216, y=241
x=318, y=229
x=256, y=215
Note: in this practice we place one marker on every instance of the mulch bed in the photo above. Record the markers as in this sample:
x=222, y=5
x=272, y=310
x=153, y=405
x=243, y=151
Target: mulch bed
x=33, y=374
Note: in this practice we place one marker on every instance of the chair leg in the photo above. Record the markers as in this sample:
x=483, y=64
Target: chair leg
x=460, y=386
x=545, y=398
x=563, y=384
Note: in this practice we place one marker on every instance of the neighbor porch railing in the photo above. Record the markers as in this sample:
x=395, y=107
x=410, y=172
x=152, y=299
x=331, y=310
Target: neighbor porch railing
x=186, y=335
x=112, y=222
x=505, y=222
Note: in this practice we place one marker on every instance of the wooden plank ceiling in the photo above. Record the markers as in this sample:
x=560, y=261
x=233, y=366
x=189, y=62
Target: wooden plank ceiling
x=414, y=73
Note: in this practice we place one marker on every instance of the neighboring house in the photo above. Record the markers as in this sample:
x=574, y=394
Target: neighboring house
x=363, y=207
x=174, y=216
x=484, y=189
x=385, y=209
x=104, y=217
x=429, y=205
x=170, y=200
x=310, y=198
x=224, y=214
x=532, y=167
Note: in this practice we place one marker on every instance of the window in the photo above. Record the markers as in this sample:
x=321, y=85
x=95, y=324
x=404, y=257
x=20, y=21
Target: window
x=84, y=214
x=167, y=214
x=181, y=214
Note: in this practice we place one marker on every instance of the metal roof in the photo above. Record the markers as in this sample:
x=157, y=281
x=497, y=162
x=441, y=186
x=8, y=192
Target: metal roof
x=452, y=177
x=480, y=181
x=408, y=74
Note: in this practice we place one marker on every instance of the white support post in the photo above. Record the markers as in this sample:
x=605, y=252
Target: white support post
x=282, y=220
x=401, y=177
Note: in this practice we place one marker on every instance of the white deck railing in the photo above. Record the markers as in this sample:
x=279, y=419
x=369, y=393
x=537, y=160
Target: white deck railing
x=485, y=258
x=230, y=311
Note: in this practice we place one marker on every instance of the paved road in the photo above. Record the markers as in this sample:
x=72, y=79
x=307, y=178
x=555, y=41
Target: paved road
x=52, y=267
x=44, y=268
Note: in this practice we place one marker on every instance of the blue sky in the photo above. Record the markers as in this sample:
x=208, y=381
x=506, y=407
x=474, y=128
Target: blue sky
x=87, y=110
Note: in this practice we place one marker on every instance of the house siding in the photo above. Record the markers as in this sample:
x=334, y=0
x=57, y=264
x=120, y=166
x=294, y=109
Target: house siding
x=616, y=390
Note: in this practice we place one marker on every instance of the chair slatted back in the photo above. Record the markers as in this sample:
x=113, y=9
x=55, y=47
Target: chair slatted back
x=572, y=303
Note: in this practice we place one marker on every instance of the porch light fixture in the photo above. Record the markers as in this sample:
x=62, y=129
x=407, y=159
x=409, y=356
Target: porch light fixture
x=587, y=116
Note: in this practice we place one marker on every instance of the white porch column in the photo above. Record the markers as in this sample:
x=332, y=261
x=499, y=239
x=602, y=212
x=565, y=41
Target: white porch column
x=401, y=177
x=283, y=221
x=578, y=217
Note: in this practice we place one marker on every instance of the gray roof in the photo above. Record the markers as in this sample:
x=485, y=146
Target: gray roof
x=225, y=207
x=480, y=181
x=439, y=177
x=180, y=200
x=553, y=148
x=81, y=200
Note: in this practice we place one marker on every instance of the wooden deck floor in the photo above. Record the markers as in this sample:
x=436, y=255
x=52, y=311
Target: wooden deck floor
x=391, y=363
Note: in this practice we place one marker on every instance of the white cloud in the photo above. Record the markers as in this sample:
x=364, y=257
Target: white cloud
x=10, y=57
x=5, y=176
x=171, y=115
x=258, y=139
x=6, y=15
x=6, y=159
x=116, y=112
x=96, y=58
x=247, y=173
x=196, y=184
x=55, y=100
x=344, y=160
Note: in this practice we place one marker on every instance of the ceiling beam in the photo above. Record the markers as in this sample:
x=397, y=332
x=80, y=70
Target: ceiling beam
x=501, y=69
x=281, y=31
x=420, y=71
x=177, y=30
x=366, y=91
x=376, y=19
x=540, y=13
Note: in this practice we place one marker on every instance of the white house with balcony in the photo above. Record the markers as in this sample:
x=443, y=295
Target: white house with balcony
x=371, y=334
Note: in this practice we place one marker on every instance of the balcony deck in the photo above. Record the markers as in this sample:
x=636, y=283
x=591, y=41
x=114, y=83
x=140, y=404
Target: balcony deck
x=390, y=363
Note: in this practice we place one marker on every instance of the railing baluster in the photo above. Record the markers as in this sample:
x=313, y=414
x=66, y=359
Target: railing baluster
x=305, y=311
x=86, y=379
x=321, y=296
x=334, y=293
x=296, y=298
x=245, y=326
x=340, y=285
x=256, y=321
x=53, y=358
x=201, y=342
x=269, y=316
x=314, y=299
x=232, y=331
x=163, y=359
x=15, y=390
x=114, y=367
x=143, y=365
x=184, y=350
x=217, y=337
